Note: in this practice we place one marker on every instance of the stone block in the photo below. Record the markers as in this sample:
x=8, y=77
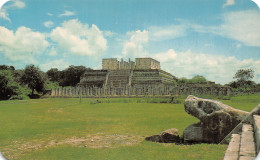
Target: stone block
x=247, y=145
x=257, y=131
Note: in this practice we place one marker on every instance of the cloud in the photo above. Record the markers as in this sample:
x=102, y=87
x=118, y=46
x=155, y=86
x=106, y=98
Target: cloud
x=49, y=14
x=22, y=44
x=67, y=13
x=135, y=45
x=79, y=39
x=48, y=24
x=53, y=52
x=109, y=33
x=228, y=3
x=243, y=26
x=4, y=15
x=60, y=64
x=16, y=4
x=214, y=67
x=159, y=33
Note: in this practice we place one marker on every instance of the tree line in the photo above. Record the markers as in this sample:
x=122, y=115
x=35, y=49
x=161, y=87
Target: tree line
x=32, y=82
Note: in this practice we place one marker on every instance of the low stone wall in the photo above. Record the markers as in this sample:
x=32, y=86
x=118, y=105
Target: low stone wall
x=140, y=90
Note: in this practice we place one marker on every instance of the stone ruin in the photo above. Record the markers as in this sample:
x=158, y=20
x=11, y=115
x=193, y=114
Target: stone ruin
x=219, y=124
x=217, y=120
x=142, y=77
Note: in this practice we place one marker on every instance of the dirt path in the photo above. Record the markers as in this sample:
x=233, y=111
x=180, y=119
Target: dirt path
x=19, y=148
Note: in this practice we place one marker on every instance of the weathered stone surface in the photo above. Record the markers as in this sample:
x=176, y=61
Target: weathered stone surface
x=257, y=132
x=247, y=146
x=216, y=120
x=154, y=138
x=248, y=120
x=170, y=135
x=167, y=136
x=232, y=152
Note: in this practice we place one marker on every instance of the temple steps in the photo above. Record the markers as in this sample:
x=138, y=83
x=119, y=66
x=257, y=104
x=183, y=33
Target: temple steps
x=118, y=78
x=245, y=146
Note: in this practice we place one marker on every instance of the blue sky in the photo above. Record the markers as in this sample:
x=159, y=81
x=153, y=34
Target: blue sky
x=213, y=38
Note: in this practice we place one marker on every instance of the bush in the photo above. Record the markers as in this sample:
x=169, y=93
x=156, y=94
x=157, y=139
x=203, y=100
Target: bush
x=50, y=85
x=19, y=97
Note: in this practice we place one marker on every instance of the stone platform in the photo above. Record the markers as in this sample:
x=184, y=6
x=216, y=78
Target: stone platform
x=245, y=146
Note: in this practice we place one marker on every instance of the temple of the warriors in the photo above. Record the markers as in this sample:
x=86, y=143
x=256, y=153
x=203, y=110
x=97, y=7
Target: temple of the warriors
x=143, y=72
x=143, y=76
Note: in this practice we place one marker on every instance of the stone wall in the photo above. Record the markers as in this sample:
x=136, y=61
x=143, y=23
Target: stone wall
x=110, y=64
x=146, y=63
x=93, y=78
x=139, y=90
x=152, y=76
x=140, y=63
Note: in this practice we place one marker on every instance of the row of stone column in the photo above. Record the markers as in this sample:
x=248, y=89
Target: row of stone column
x=127, y=91
x=217, y=91
x=147, y=90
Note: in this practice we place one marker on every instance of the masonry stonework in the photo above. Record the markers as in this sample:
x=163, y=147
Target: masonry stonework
x=142, y=77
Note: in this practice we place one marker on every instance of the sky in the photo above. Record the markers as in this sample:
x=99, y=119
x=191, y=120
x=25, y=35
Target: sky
x=212, y=38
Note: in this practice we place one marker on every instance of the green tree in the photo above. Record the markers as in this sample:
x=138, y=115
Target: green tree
x=33, y=77
x=71, y=76
x=8, y=86
x=53, y=74
x=243, y=82
x=198, y=79
x=244, y=75
x=182, y=80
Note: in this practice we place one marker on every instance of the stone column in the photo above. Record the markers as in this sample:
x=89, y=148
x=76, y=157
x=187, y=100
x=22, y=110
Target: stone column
x=61, y=91
x=52, y=92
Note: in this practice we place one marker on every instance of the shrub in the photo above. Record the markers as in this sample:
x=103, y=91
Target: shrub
x=19, y=97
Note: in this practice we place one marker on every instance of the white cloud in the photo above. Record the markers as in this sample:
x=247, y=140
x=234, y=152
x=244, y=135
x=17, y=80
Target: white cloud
x=79, y=39
x=49, y=14
x=22, y=44
x=4, y=15
x=135, y=45
x=67, y=13
x=159, y=33
x=53, y=52
x=109, y=33
x=60, y=64
x=214, y=67
x=243, y=26
x=16, y=4
x=228, y=3
x=48, y=24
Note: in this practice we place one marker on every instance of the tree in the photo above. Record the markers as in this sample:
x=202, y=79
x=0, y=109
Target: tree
x=243, y=82
x=244, y=75
x=71, y=76
x=33, y=77
x=8, y=86
x=5, y=67
x=198, y=79
x=53, y=74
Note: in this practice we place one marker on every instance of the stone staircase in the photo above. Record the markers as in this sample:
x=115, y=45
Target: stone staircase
x=245, y=146
x=118, y=78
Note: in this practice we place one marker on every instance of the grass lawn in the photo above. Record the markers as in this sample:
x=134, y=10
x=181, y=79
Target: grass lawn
x=56, y=128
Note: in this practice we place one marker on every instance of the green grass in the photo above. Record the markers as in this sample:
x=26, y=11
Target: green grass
x=57, y=128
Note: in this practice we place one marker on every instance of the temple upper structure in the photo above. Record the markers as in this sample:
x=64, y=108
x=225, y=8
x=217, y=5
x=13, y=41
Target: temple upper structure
x=116, y=74
x=140, y=63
